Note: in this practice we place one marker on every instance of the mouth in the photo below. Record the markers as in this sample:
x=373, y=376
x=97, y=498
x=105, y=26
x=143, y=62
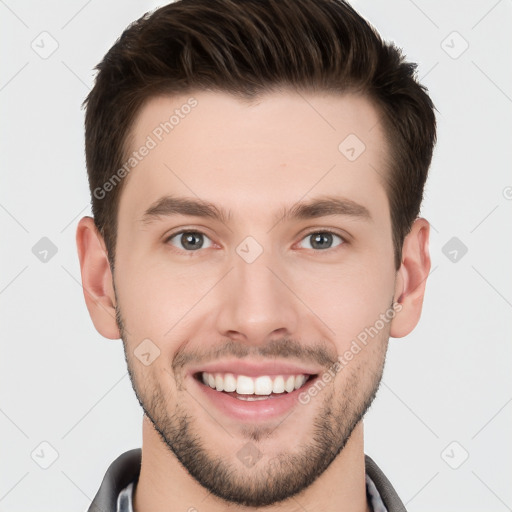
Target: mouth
x=254, y=388
x=252, y=391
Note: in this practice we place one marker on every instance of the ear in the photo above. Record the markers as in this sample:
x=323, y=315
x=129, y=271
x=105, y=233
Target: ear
x=97, y=280
x=411, y=279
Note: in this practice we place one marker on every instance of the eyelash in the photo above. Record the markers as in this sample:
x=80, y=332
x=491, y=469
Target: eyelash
x=316, y=231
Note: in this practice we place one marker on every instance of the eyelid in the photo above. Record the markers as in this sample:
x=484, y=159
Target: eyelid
x=332, y=231
x=185, y=229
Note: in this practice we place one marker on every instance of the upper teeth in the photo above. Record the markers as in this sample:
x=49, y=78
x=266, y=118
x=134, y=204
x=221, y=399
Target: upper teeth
x=263, y=385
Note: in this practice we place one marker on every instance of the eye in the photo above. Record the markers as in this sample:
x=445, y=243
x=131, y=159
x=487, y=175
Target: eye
x=321, y=240
x=189, y=240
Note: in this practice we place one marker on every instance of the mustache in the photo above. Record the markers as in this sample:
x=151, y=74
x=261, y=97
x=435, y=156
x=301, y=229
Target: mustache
x=284, y=348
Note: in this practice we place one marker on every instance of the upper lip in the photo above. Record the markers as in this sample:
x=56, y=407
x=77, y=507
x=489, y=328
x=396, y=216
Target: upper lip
x=255, y=369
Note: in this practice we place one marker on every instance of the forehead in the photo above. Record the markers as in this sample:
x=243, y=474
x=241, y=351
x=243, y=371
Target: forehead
x=255, y=157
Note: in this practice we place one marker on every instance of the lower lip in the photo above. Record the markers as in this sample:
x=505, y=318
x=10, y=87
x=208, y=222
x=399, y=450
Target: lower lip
x=257, y=410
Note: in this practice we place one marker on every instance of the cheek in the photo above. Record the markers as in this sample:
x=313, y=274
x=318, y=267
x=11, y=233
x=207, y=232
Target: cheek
x=349, y=298
x=158, y=301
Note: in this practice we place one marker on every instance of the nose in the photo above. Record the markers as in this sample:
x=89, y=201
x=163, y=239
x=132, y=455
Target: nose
x=256, y=303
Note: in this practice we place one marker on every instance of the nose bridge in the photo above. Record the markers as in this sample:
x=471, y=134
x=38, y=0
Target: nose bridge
x=255, y=301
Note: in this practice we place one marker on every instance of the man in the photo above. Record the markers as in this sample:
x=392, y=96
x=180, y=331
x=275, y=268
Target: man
x=256, y=171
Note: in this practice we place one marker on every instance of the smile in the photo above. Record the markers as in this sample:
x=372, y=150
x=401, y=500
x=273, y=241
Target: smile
x=248, y=388
x=251, y=391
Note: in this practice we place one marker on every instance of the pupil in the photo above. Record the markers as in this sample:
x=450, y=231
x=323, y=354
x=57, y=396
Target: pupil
x=321, y=240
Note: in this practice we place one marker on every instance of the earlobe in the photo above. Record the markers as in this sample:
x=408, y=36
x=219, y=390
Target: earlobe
x=97, y=281
x=411, y=279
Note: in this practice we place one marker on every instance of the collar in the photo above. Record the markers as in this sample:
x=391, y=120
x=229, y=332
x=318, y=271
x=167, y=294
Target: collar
x=125, y=470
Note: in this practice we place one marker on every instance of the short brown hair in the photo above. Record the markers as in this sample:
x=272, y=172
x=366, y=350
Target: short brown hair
x=248, y=48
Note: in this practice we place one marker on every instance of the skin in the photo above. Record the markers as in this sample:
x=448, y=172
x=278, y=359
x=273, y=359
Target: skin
x=253, y=160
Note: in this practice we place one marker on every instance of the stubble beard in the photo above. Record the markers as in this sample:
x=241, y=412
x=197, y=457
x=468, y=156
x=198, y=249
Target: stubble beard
x=282, y=475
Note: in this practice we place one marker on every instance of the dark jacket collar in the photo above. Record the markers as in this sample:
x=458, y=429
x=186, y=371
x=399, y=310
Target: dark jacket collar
x=387, y=492
x=126, y=469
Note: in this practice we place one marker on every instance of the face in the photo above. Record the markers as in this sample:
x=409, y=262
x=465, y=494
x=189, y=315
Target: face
x=254, y=248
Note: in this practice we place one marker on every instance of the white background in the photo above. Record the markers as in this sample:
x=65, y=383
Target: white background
x=62, y=383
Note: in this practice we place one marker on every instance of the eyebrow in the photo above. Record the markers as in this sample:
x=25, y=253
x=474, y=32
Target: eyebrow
x=168, y=206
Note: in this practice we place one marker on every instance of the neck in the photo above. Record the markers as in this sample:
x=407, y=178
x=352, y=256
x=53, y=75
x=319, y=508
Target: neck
x=164, y=484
